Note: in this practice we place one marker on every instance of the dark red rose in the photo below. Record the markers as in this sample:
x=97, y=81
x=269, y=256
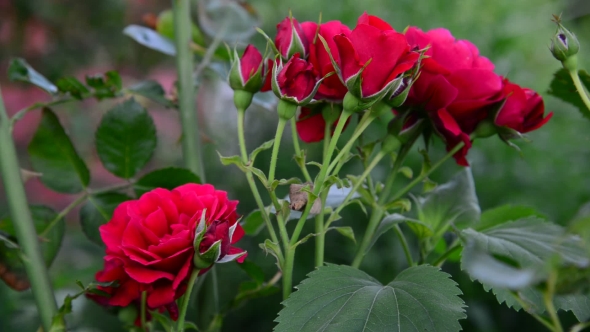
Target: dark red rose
x=311, y=125
x=331, y=88
x=291, y=39
x=455, y=88
x=523, y=109
x=149, y=242
x=371, y=58
x=296, y=81
x=247, y=73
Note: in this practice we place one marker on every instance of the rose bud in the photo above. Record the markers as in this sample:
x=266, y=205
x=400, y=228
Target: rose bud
x=373, y=58
x=564, y=44
x=149, y=243
x=290, y=39
x=295, y=83
x=331, y=88
x=522, y=111
x=247, y=76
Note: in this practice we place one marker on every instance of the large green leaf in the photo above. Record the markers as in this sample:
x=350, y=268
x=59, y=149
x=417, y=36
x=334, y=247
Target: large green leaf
x=454, y=202
x=342, y=298
x=98, y=211
x=126, y=139
x=20, y=70
x=579, y=304
x=50, y=230
x=52, y=153
x=563, y=88
x=253, y=223
x=505, y=213
x=167, y=178
x=152, y=90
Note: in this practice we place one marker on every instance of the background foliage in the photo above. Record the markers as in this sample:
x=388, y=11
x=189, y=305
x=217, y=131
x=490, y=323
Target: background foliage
x=74, y=38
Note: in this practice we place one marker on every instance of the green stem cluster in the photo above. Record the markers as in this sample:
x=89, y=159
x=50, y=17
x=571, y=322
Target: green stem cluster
x=23, y=223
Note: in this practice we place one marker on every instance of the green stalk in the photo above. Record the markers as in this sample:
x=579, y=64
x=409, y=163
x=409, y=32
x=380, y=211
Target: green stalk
x=23, y=223
x=143, y=308
x=320, y=237
x=404, y=242
x=365, y=121
x=581, y=90
x=191, y=141
x=548, y=301
x=81, y=199
x=298, y=150
x=374, y=221
x=275, y=149
x=288, y=272
x=186, y=300
x=250, y=178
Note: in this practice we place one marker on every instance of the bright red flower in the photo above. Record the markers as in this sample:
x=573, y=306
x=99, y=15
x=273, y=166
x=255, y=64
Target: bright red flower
x=247, y=73
x=455, y=88
x=331, y=88
x=296, y=81
x=311, y=125
x=149, y=242
x=523, y=110
x=291, y=39
x=372, y=57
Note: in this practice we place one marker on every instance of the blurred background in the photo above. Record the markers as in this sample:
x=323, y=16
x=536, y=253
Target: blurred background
x=76, y=38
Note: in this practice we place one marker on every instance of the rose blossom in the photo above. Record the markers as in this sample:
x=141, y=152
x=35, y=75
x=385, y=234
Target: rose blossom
x=296, y=81
x=290, y=39
x=523, y=109
x=149, y=242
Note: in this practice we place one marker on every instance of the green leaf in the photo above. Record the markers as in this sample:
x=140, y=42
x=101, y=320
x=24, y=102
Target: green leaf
x=253, y=271
x=454, y=202
x=342, y=298
x=72, y=86
x=265, y=146
x=503, y=214
x=150, y=39
x=50, y=240
x=167, y=178
x=20, y=70
x=126, y=139
x=98, y=211
x=388, y=223
x=253, y=223
x=407, y=172
x=108, y=85
x=153, y=91
x=273, y=248
x=52, y=153
x=563, y=88
x=579, y=304
x=346, y=231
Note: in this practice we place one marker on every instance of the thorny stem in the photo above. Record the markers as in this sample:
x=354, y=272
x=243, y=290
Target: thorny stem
x=23, y=223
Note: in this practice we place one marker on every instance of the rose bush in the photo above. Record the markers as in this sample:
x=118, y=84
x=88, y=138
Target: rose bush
x=149, y=242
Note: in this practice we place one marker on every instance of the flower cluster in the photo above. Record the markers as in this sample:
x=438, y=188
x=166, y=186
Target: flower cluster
x=436, y=83
x=153, y=244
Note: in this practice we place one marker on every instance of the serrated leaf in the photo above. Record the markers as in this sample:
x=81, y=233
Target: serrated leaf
x=264, y=146
x=503, y=214
x=342, y=298
x=72, y=86
x=402, y=204
x=563, y=88
x=20, y=70
x=253, y=223
x=167, y=178
x=50, y=242
x=52, y=153
x=579, y=304
x=126, y=139
x=153, y=91
x=98, y=211
x=150, y=39
x=108, y=85
x=454, y=202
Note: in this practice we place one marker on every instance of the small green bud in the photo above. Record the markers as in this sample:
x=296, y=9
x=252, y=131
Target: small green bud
x=352, y=104
x=242, y=99
x=564, y=44
x=331, y=112
x=390, y=143
x=399, y=96
x=286, y=109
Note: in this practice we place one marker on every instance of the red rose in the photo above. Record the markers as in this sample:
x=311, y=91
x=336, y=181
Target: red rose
x=331, y=88
x=455, y=88
x=296, y=81
x=523, y=109
x=247, y=73
x=371, y=58
x=291, y=39
x=311, y=125
x=149, y=242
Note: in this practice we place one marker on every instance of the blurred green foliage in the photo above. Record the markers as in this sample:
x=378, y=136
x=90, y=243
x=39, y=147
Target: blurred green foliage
x=550, y=174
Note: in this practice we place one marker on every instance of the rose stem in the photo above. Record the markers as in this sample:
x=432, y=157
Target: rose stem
x=581, y=90
x=23, y=223
x=320, y=237
x=250, y=177
x=186, y=300
x=191, y=141
x=378, y=211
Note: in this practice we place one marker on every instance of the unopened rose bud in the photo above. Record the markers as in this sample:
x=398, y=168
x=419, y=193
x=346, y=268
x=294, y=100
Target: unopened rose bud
x=399, y=96
x=291, y=39
x=565, y=45
x=295, y=81
x=246, y=76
